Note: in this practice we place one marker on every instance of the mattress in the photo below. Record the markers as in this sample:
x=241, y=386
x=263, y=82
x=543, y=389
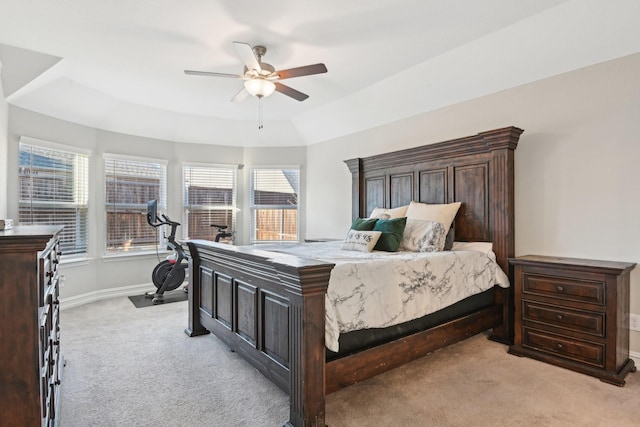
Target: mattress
x=380, y=289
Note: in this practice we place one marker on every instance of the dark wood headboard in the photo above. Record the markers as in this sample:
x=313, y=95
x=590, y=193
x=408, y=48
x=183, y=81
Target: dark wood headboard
x=475, y=170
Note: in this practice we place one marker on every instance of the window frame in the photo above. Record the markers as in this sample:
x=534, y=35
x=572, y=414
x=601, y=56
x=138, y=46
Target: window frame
x=160, y=242
x=187, y=208
x=81, y=193
x=253, y=208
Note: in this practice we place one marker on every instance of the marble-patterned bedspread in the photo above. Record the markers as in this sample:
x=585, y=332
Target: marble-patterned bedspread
x=379, y=289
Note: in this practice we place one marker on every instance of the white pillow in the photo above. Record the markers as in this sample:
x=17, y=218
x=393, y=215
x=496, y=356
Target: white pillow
x=444, y=213
x=484, y=247
x=382, y=213
x=423, y=236
x=362, y=241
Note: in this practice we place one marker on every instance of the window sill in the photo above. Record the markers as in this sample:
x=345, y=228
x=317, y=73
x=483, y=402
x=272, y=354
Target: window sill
x=132, y=255
x=75, y=261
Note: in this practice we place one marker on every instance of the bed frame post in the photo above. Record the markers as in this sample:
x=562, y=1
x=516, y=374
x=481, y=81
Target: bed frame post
x=502, y=144
x=306, y=288
x=357, y=184
x=194, y=326
x=504, y=332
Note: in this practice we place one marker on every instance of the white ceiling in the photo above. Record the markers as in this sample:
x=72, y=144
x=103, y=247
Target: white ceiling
x=118, y=65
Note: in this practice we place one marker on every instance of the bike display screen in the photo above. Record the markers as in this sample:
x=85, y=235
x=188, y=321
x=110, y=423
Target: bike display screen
x=152, y=211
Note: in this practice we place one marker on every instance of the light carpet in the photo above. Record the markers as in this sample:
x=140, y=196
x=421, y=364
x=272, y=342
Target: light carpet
x=130, y=367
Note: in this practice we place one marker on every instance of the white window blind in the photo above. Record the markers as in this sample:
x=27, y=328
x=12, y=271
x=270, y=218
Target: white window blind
x=209, y=198
x=273, y=201
x=130, y=184
x=54, y=190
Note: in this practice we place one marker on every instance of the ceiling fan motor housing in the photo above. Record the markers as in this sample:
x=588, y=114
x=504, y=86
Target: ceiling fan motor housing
x=267, y=69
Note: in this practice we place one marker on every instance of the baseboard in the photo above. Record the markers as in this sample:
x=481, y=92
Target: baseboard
x=636, y=357
x=94, y=296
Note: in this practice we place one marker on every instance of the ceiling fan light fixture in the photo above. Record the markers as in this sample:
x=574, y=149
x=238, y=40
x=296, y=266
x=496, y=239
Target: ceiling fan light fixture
x=259, y=87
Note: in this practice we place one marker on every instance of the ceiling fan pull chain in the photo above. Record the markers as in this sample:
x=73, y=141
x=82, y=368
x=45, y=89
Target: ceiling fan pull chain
x=260, y=112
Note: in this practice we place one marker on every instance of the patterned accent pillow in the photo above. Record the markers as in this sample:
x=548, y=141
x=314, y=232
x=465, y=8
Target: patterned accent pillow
x=361, y=240
x=423, y=236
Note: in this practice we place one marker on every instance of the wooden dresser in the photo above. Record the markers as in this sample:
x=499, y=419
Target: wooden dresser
x=30, y=359
x=573, y=313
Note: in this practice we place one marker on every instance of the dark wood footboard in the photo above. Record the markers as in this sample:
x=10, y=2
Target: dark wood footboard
x=269, y=308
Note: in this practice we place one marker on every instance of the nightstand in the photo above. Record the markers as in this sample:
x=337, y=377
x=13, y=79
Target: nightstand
x=573, y=313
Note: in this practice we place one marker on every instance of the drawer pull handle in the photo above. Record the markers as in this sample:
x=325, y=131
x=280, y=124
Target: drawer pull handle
x=560, y=288
x=559, y=346
x=559, y=316
x=49, y=273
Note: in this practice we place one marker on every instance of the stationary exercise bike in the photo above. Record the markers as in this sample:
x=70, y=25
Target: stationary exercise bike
x=169, y=274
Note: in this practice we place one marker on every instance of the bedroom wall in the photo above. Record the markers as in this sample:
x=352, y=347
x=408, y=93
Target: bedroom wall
x=99, y=275
x=577, y=163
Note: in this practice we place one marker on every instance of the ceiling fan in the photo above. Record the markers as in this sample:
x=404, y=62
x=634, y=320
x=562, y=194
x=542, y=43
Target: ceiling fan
x=261, y=79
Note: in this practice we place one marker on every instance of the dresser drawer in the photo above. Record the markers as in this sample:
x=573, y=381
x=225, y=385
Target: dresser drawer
x=47, y=271
x=580, y=351
x=575, y=320
x=586, y=291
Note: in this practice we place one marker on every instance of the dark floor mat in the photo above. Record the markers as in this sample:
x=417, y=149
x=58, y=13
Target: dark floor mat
x=141, y=301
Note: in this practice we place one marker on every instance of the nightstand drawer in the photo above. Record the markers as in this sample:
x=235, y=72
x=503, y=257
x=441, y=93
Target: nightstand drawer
x=586, y=291
x=579, y=351
x=575, y=320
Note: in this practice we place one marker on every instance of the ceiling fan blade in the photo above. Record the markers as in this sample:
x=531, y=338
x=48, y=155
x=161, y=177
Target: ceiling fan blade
x=240, y=96
x=302, y=71
x=212, y=74
x=289, y=91
x=248, y=57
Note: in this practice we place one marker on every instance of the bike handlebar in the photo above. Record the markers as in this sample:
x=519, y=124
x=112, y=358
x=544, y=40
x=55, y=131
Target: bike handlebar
x=167, y=221
x=164, y=221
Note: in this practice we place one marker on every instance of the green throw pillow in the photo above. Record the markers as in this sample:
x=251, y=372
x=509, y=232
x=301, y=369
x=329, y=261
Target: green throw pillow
x=364, y=224
x=391, y=237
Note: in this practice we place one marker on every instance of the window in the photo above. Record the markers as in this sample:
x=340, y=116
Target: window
x=209, y=198
x=54, y=190
x=130, y=184
x=274, y=204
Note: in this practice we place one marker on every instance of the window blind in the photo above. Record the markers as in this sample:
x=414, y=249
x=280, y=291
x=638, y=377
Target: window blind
x=273, y=201
x=209, y=198
x=130, y=184
x=54, y=190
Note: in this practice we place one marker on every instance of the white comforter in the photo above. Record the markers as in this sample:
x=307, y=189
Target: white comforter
x=380, y=289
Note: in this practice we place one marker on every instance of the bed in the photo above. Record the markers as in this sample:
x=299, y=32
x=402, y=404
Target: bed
x=269, y=306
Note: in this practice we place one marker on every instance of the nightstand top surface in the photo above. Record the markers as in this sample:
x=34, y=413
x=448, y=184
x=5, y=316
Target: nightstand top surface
x=572, y=262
